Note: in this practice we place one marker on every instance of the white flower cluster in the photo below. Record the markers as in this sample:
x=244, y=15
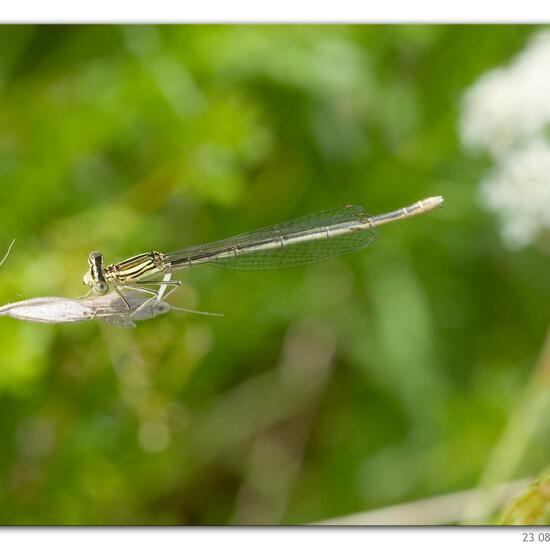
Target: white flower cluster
x=505, y=114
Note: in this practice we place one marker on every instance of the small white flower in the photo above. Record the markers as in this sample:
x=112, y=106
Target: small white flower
x=518, y=190
x=509, y=105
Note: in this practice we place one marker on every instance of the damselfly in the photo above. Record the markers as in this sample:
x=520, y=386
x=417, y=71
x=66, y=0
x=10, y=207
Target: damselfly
x=293, y=243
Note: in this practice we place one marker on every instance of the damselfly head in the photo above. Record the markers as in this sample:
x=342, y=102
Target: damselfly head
x=95, y=278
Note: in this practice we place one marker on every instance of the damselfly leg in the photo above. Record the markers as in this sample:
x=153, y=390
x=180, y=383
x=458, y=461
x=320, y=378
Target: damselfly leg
x=156, y=295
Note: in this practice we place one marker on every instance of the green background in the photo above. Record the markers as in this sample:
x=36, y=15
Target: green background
x=374, y=379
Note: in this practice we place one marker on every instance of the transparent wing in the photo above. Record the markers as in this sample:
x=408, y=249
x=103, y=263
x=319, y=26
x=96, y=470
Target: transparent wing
x=293, y=243
x=119, y=321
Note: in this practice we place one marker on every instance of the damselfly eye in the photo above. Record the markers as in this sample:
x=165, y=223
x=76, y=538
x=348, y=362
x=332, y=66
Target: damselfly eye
x=87, y=279
x=100, y=288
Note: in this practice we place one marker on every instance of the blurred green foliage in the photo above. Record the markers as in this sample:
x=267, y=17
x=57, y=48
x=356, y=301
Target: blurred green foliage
x=370, y=380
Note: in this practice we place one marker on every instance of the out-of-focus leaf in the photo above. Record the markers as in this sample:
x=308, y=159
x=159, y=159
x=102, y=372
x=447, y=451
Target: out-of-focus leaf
x=532, y=507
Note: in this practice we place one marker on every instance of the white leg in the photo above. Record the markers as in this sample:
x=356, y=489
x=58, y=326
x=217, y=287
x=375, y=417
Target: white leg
x=155, y=294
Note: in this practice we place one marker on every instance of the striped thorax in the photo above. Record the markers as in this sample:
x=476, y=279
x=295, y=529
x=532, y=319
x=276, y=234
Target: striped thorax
x=135, y=269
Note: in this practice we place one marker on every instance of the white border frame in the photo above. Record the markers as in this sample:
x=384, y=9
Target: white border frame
x=275, y=11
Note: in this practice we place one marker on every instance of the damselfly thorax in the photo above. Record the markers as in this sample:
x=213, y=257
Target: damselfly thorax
x=132, y=270
x=136, y=268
